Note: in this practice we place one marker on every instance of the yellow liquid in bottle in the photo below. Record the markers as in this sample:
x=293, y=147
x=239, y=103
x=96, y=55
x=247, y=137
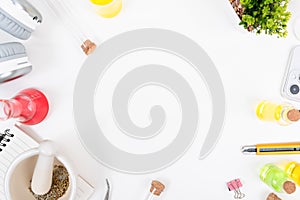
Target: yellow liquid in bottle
x=101, y=2
x=293, y=170
x=108, y=8
x=268, y=111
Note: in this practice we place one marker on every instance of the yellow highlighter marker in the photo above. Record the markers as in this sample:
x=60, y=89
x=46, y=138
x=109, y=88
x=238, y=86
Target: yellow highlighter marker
x=272, y=149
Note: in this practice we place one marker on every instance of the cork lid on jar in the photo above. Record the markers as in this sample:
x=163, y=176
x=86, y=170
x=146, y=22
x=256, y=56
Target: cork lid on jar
x=88, y=47
x=289, y=187
x=293, y=115
x=273, y=196
x=157, y=187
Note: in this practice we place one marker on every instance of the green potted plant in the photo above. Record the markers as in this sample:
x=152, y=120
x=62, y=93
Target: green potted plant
x=263, y=16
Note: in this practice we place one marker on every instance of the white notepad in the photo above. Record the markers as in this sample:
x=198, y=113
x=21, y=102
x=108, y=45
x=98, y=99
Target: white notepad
x=84, y=189
x=13, y=142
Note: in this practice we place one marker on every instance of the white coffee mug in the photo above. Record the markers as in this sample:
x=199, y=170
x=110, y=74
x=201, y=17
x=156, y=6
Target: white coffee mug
x=19, y=174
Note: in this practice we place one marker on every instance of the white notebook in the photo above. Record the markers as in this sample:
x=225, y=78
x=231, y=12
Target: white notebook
x=13, y=142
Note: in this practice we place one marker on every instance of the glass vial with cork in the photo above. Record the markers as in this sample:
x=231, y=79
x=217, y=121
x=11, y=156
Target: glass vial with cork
x=283, y=114
x=277, y=179
x=108, y=8
x=66, y=14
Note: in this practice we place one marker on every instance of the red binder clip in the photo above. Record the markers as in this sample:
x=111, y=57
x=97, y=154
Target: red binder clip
x=235, y=186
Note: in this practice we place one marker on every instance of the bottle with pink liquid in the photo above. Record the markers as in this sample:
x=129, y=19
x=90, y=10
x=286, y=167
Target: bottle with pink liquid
x=29, y=106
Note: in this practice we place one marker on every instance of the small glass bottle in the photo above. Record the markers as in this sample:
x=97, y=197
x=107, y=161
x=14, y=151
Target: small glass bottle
x=293, y=171
x=70, y=18
x=277, y=179
x=29, y=106
x=108, y=8
x=283, y=114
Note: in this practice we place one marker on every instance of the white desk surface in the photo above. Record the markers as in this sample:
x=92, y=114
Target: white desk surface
x=251, y=68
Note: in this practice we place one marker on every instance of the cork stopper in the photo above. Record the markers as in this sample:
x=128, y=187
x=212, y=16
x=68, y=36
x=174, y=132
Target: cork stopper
x=273, y=196
x=157, y=187
x=88, y=47
x=289, y=187
x=293, y=115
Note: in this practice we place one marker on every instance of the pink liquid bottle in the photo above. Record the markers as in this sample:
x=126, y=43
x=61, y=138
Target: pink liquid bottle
x=29, y=106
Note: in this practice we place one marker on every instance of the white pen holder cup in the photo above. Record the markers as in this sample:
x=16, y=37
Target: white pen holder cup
x=19, y=174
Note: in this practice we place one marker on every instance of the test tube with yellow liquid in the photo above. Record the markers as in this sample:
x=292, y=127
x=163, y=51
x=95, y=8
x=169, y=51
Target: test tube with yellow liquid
x=108, y=8
x=283, y=114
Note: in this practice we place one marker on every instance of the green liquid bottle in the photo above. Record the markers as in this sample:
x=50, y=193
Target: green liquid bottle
x=277, y=179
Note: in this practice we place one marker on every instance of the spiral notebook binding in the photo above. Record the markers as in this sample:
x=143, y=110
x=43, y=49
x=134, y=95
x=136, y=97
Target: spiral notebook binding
x=4, y=139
